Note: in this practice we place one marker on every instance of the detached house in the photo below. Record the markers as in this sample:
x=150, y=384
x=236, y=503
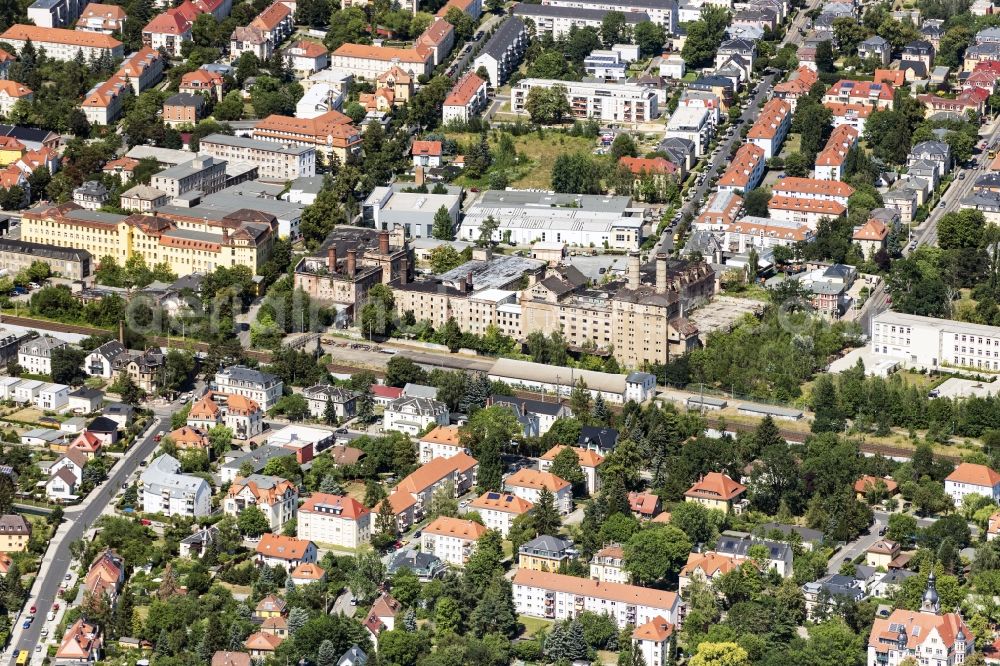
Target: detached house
x=106, y=576
x=876, y=48
x=716, y=491
x=344, y=401
x=81, y=644
x=413, y=415
x=240, y=414
x=101, y=361
x=263, y=388
x=278, y=498
x=288, y=552
x=535, y=416
x=35, y=356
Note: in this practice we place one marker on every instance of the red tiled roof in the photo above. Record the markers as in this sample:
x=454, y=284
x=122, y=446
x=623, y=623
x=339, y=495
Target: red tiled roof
x=715, y=485
x=974, y=475
x=464, y=90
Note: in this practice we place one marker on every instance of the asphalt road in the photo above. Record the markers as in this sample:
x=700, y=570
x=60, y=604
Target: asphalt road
x=721, y=159
x=462, y=61
x=79, y=519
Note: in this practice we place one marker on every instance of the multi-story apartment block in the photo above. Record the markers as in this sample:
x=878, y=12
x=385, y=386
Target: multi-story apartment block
x=451, y=539
x=169, y=30
x=797, y=86
x=165, y=490
x=503, y=51
x=498, y=510
x=204, y=82
x=692, y=123
x=275, y=161
x=101, y=18
x=277, y=498
x=412, y=415
x=63, y=44
x=654, y=640
x=330, y=133
x=10, y=93
x=814, y=189
x=545, y=553
x=609, y=102
x=559, y=597
x=663, y=12
x=745, y=170
x=368, y=62
x=54, y=13
x=334, y=520
x=320, y=396
x=972, y=479
x=183, y=109
x=804, y=211
x=356, y=260
x=830, y=161
x=772, y=127
x=557, y=21
x=761, y=233
x=877, y=95
x=589, y=462
x=442, y=442
x=238, y=413
x=186, y=243
x=263, y=388
x=203, y=173
x=465, y=100
x=412, y=495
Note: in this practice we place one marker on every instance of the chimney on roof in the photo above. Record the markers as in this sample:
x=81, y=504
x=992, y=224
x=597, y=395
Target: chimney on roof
x=352, y=262
x=462, y=285
x=383, y=242
x=661, y=272
x=404, y=270
x=633, y=270
x=468, y=281
x=121, y=332
x=331, y=259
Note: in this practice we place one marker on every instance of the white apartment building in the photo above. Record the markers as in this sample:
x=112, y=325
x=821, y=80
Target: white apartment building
x=972, y=479
x=663, y=12
x=558, y=21
x=609, y=102
x=54, y=13
x=529, y=483
x=761, y=233
x=498, y=510
x=608, y=565
x=442, y=442
x=62, y=44
x=277, y=498
x=334, y=520
x=931, y=343
x=35, y=356
x=451, y=539
x=165, y=490
x=263, y=388
x=654, y=641
x=413, y=415
x=589, y=462
x=203, y=173
x=274, y=161
x=556, y=596
x=52, y=396
x=691, y=123
x=465, y=100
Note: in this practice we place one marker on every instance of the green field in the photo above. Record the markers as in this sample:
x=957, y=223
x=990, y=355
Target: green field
x=535, y=171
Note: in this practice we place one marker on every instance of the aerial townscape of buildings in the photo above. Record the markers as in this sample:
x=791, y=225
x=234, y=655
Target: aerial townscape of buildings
x=416, y=334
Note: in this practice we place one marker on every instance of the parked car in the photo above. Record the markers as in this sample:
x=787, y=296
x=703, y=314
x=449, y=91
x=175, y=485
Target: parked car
x=27, y=623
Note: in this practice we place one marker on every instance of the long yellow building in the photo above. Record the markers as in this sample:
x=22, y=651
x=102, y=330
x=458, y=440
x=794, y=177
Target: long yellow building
x=186, y=244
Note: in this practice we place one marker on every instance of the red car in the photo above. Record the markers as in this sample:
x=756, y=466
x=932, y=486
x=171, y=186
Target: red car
x=157, y=438
x=33, y=610
x=146, y=521
x=55, y=607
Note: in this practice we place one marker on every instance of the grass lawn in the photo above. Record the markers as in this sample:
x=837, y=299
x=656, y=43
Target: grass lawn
x=792, y=144
x=536, y=170
x=26, y=415
x=355, y=489
x=533, y=624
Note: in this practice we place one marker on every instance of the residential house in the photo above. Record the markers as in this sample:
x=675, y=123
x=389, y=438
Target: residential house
x=608, y=565
x=307, y=57
x=307, y=574
x=876, y=48
x=738, y=545
x=881, y=553
x=426, y=153
x=798, y=85
x=716, y=491
x=288, y=552
x=597, y=439
x=101, y=361
x=466, y=99
x=426, y=566
x=321, y=396
x=503, y=51
x=529, y=483
x=451, y=539
x=81, y=644
x=35, y=356
x=262, y=645
x=644, y=505
x=183, y=109
x=589, y=462
x=745, y=170
x=413, y=415
x=771, y=127
x=935, y=151
x=707, y=567
x=263, y=388
x=382, y=616
x=277, y=498
x=334, y=520
x=107, y=19
x=15, y=532
x=545, y=553
x=871, y=237
x=535, y=416
x=240, y=414
x=106, y=575
x=498, y=510
x=654, y=641
x=202, y=81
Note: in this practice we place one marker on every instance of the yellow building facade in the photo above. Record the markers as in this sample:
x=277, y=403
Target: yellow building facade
x=187, y=245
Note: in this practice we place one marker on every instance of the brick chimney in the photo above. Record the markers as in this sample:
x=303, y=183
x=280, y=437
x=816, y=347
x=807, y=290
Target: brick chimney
x=383, y=242
x=331, y=259
x=633, y=270
x=352, y=262
x=468, y=281
x=404, y=269
x=661, y=272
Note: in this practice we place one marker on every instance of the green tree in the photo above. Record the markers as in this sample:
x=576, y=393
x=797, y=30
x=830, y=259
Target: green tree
x=547, y=105
x=653, y=554
x=720, y=654
x=252, y=522
x=755, y=202
x=489, y=433
x=443, y=258
x=650, y=38
x=67, y=365
x=566, y=465
x=444, y=228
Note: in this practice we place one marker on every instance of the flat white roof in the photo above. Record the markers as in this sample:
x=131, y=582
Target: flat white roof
x=297, y=436
x=494, y=295
x=891, y=317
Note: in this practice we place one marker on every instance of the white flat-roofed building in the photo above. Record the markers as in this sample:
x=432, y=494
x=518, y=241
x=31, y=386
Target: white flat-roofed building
x=319, y=99
x=388, y=206
x=572, y=219
x=558, y=21
x=931, y=343
x=663, y=12
x=604, y=64
x=610, y=102
x=691, y=123
x=275, y=161
x=556, y=596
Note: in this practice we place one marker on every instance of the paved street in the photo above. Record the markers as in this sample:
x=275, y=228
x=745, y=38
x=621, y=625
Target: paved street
x=79, y=519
